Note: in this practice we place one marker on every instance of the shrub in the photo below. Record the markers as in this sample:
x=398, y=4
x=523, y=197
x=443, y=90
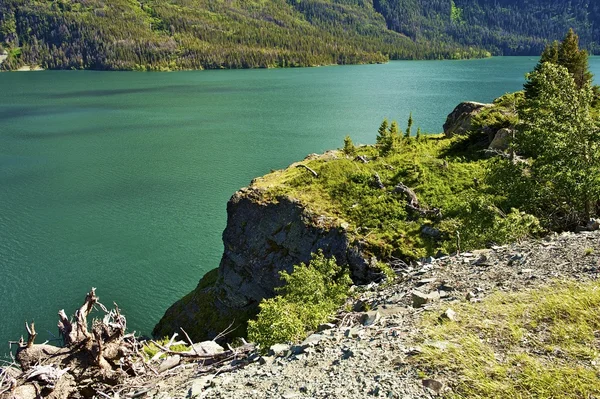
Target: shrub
x=311, y=294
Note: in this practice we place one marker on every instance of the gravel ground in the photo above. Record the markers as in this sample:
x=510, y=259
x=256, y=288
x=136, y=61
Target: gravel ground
x=364, y=354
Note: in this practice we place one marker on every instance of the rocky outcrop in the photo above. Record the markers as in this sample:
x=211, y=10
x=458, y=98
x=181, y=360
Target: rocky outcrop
x=263, y=237
x=459, y=121
x=501, y=139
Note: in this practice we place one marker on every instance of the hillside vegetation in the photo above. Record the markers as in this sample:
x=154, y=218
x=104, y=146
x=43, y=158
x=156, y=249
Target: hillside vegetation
x=197, y=34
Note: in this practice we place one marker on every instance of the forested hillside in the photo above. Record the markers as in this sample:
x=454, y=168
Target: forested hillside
x=195, y=34
x=504, y=27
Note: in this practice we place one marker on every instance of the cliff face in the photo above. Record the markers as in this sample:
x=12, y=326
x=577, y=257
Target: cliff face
x=263, y=237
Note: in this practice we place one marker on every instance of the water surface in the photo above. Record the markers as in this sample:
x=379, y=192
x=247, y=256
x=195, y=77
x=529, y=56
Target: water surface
x=119, y=180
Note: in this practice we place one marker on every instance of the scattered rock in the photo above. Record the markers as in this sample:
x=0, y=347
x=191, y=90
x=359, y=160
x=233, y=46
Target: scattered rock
x=279, y=350
x=426, y=281
x=435, y=385
x=325, y=327
x=208, y=348
x=501, y=139
x=459, y=122
x=370, y=318
x=432, y=232
x=199, y=385
x=169, y=363
x=420, y=299
x=449, y=314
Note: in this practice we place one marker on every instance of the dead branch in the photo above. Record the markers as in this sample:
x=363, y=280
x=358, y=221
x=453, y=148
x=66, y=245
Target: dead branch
x=361, y=158
x=315, y=174
x=31, y=334
x=378, y=182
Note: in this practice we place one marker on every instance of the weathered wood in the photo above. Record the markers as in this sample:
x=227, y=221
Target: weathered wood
x=411, y=197
x=315, y=174
x=378, y=181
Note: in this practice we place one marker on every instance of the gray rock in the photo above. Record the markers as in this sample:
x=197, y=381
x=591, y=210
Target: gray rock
x=199, y=385
x=370, y=318
x=459, y=122
x=593, y=225
x=392, y=310
x=501, y=139
x=309, y=342
x=435, y=385
x=208, y=348
x=279, y=350
x=426, y=281
x=262, y=238
x=432, y=232
x=420, y=299
x=325, y=327
x=449, y=314
x=169, y=363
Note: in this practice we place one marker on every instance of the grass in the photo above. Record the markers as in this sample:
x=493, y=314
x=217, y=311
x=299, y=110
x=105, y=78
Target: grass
x=439, y=170
x=150, y=349
x=541, y=343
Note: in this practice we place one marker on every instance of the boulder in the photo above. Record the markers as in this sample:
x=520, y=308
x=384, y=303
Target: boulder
x=420, y=299
x=501, y=139
x=459, y=122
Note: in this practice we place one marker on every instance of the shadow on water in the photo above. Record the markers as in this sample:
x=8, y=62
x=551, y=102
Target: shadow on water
x=182, y=89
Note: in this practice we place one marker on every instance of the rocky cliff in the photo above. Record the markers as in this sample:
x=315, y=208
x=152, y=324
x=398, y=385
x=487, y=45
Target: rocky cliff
x=263, y=237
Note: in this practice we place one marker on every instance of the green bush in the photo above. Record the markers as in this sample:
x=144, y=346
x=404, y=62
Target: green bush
x=311, y=295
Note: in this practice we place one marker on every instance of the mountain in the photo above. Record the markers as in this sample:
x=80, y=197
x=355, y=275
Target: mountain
x=503, y=27
x=196, y=34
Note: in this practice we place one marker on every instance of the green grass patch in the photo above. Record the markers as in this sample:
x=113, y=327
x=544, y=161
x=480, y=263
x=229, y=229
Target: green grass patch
x=542, y=343
x=441, y=172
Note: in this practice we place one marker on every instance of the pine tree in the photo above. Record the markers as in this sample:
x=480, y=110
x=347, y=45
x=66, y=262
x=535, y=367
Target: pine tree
x=561, y=182
x=568, y=55
x=418, y=133
x=390, y=143
x=409, y=128
x=382, y=132
x=349, y=148
x=574, y=59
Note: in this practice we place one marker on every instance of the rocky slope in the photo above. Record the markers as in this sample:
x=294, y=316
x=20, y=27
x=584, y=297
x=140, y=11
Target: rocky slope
x=368, y=353
x=262, y=238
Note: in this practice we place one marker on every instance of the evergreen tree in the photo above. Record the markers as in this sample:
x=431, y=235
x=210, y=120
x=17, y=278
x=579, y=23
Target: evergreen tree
x=382, y=132
x=390, y=143
x=561, y=182
x=418, y=133
x=349, y=148
x=568, y=55
x=409, y=128
x=574, y=59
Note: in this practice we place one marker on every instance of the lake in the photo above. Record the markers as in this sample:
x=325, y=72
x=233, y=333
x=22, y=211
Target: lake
x=119, y=180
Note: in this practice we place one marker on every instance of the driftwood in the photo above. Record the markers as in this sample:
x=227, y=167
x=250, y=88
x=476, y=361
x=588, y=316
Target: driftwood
x=101, y=360
x=315, y=174
x=378, y=182
x=411, y=197
x=361, y=158
x=413, y=202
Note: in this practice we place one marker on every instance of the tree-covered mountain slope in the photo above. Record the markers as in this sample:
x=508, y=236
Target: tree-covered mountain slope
x=195, y=34
x=504, y=27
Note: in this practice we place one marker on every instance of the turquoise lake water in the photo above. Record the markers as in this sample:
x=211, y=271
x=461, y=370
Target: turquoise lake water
x=119, y=180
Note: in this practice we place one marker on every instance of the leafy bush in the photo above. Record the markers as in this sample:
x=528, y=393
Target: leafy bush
x=311, y=294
